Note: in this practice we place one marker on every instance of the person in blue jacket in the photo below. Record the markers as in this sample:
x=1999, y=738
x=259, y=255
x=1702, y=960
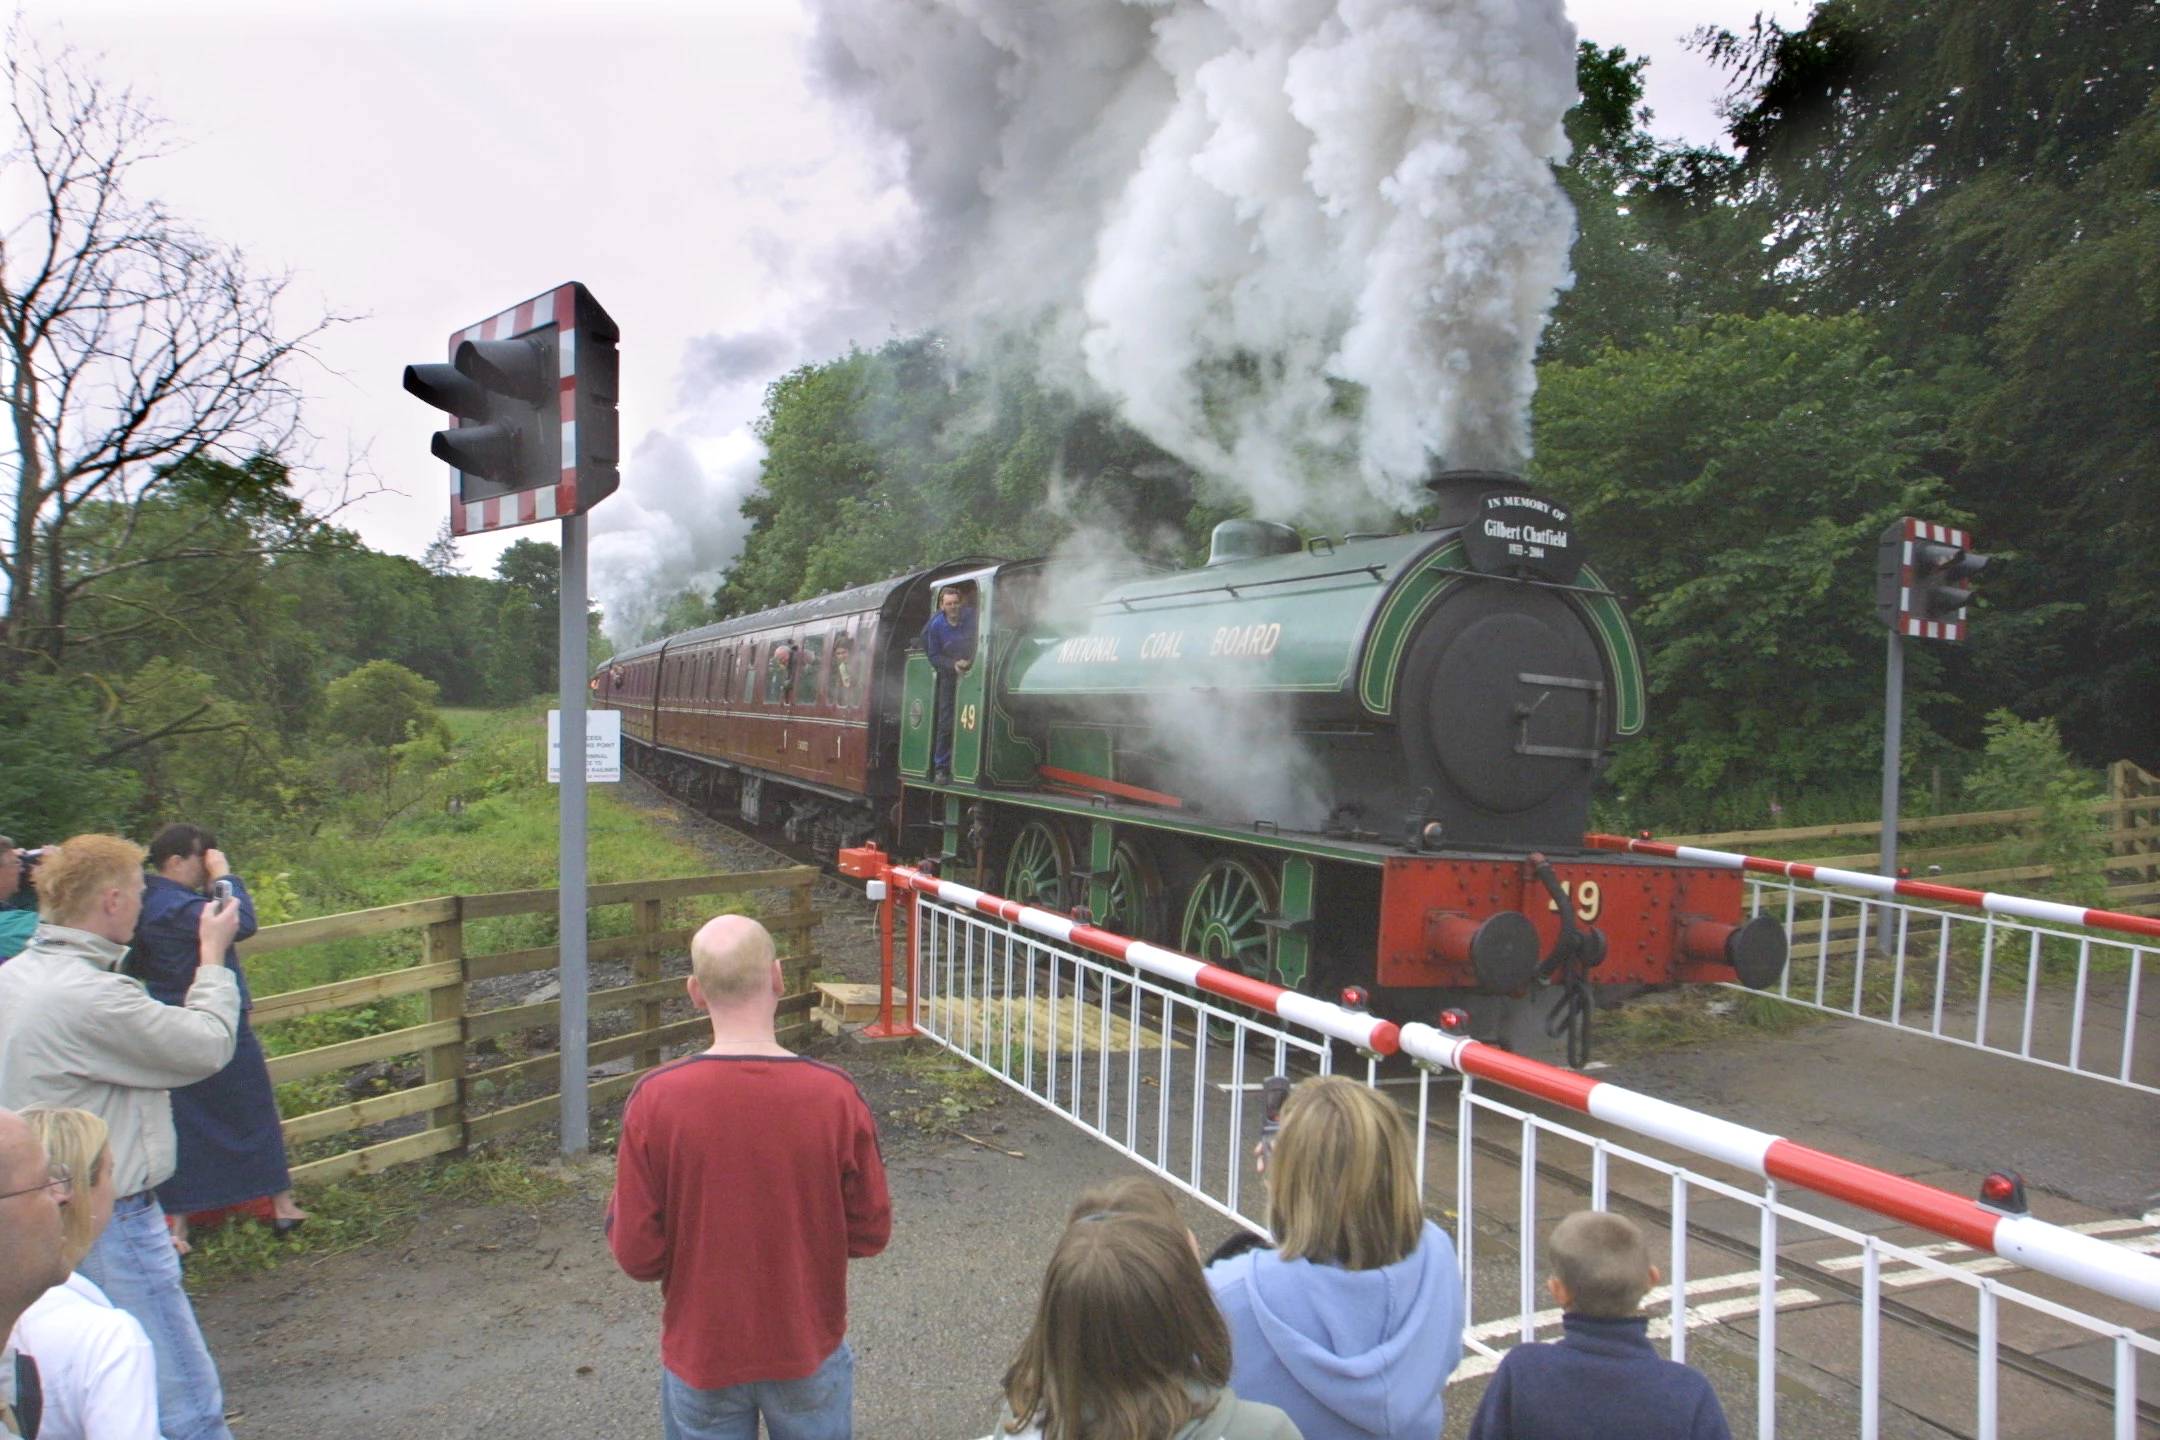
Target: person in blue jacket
x=1353, y=1322
x=231, y=1144
x=1602, y=1377
x=949, y=641
x=17, y=920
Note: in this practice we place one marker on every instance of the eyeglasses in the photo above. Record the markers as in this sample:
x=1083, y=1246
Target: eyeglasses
x=63, y=1180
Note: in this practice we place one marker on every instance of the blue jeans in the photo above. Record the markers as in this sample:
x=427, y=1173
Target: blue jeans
x=821, y=1406
x=135, y=1265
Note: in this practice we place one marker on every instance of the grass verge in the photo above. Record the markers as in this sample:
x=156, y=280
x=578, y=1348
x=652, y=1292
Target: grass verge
x=1691, y=1016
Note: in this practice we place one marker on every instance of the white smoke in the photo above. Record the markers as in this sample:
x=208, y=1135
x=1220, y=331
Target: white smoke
x=675, y=524
x=1292, y=241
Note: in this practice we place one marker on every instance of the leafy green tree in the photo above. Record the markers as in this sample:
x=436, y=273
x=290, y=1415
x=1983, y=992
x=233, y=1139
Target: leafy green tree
x=884, y=460
x=1659, y=240
x=380, y=705
x=2024, y=767
x=56, y=777
x=527, y=620
x=685, y=610
x=1977, y=176
x=1731, y=479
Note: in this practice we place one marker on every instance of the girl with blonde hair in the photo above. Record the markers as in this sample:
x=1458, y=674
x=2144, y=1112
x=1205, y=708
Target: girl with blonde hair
x=1353, y=1322
x=1127, y=1344
x=96, y=1364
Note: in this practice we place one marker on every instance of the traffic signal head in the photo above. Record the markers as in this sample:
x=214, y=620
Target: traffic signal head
x=534, y=391
x=1921, y=570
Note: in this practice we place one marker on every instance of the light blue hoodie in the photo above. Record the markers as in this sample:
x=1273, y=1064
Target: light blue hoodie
x=1349, y=1354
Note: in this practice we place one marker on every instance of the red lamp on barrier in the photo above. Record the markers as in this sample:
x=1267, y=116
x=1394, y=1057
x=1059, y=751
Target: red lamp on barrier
x=2004, y=1193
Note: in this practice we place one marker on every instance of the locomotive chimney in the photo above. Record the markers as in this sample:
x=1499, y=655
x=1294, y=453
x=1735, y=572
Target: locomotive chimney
x=1455, y=492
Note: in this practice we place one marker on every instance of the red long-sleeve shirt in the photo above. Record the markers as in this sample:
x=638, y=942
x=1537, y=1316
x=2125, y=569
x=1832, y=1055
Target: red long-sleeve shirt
x=744, y=1184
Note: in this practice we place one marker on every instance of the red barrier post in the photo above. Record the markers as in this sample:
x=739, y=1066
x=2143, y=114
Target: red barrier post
x=869, y=864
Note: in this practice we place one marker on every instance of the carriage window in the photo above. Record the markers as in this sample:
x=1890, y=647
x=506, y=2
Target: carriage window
x=846, y=672
x=779, y=672
x=809, y=666
x=727, y=671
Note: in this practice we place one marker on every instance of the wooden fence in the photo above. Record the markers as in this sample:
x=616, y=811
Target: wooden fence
x=447, y=1094
x=2127, y=839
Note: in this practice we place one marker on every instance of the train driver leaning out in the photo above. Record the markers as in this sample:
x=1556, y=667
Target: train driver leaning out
x=949, y=640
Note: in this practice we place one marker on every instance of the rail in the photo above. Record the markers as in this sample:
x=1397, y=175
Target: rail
x=436, y=1014
x=1156, y=1052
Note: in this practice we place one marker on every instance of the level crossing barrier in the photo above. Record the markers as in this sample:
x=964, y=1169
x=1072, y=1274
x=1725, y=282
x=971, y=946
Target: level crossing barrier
x=2049, y=983
x=1157, y=1054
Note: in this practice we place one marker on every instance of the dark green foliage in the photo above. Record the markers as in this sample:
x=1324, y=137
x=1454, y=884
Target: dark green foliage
x=52, y=783
x=1732, y=480
x=213, y=617
x=380, y=705
x=2025, y=767
x=1658, y=243
x=1978, y=176
x=884, y=460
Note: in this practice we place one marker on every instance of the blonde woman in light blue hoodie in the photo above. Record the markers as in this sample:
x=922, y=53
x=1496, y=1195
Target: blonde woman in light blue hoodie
x=1353, y=1322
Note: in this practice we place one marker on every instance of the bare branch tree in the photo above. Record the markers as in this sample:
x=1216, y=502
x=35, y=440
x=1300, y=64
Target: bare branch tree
x=129, y=346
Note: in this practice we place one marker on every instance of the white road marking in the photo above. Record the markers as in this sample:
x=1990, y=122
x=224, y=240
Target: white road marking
x=1483, y=1360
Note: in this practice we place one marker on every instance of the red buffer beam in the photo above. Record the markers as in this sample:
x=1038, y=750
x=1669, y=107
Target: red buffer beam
x=2022, y=906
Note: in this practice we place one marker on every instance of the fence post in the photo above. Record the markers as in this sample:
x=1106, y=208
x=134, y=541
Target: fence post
x=644, y=966
x=443, y=943
x=799, y=907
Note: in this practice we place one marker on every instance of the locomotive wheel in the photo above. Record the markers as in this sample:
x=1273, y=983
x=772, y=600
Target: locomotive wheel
x=1223, y=915
x=1136, y=893
x=1039, y=866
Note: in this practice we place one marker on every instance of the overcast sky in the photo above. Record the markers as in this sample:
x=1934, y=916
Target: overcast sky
x=425, y=165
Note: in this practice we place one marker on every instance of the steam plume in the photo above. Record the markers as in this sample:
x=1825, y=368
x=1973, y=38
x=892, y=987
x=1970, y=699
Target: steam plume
x=1292, y=241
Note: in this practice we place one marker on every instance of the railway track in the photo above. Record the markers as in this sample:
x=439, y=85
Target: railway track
x=1814, y=1281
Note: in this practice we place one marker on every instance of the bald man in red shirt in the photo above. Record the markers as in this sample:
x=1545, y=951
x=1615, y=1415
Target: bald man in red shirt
x=746, y=1179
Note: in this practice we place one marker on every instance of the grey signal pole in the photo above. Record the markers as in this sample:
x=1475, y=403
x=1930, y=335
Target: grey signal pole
x=571, y=974
x=1893, y=746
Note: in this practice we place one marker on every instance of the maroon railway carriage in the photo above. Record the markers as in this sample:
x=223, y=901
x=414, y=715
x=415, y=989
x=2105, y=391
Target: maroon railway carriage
x=790, y=717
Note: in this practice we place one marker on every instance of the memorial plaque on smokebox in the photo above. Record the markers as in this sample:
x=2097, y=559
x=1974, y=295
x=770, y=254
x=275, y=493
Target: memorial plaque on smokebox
x=1511, y=533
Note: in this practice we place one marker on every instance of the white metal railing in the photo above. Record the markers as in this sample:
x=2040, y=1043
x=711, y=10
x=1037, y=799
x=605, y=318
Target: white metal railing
x=1159, y=1074
x=2061, y=998
x=1162, y=1074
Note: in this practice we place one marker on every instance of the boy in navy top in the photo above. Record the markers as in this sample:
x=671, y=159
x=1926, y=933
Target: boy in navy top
x=1602, y=1380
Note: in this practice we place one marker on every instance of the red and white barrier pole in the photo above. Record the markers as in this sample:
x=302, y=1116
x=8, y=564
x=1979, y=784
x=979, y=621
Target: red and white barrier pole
x=2021, y=906
x=1367, y=1032
x=2050, y=1249
x=2036, y=1244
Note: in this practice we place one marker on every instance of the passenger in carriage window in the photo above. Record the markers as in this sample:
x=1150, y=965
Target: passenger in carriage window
x=843, y=671
x=780, y=673
x=809, y=666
